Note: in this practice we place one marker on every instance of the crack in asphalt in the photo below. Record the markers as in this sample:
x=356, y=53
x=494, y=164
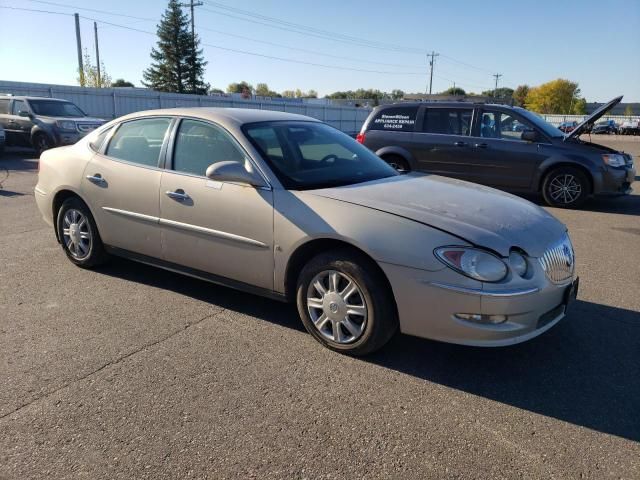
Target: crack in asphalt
x=114, y=362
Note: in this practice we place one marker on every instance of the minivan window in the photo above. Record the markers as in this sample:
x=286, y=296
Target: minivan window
x=199, y=144
x=4, y=106
x=18, y=106
x=503, y=125
x=448, y=121
x=139, y=141
x=397, y=119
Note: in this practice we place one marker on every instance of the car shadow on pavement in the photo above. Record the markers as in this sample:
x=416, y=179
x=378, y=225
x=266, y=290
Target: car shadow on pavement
x=623, y=205
x=18, y=159
x=585, y=370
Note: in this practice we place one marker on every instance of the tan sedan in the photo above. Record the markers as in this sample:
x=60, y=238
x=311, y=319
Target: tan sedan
x=286, y=206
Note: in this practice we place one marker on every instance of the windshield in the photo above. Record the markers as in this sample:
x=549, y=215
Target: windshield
x=55, y=108
x=543, y=125
x=308, y=155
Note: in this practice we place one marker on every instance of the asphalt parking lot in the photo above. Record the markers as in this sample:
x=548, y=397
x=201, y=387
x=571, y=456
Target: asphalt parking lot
x=133, y=372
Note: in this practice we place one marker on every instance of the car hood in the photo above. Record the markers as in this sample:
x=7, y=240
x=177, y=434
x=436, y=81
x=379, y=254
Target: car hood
x=588, y=122
x=479, y=215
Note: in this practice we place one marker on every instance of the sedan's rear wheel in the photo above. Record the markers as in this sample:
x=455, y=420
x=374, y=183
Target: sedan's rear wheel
x=345, y=303
x=565, y=187
x=79, y=235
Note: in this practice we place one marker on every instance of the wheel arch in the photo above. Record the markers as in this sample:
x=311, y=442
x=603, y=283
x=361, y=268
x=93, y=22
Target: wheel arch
x=398, y=151
x=560, y=164
x=58, y=199
x=305, y=252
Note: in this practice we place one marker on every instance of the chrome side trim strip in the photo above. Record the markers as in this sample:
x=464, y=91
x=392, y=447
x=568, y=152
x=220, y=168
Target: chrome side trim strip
x=516, y=292
x=214, y=233
x=39, y=191
x=127, y=213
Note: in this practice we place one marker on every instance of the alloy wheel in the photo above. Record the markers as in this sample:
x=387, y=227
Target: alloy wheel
x=76, y=234
x=337, y=307
x=565, y=189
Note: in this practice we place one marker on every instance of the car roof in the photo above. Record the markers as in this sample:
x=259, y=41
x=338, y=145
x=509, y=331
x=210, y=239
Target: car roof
x=443, y=104
x=225, y=116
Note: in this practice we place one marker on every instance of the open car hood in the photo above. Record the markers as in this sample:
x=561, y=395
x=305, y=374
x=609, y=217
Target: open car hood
x=588, y=122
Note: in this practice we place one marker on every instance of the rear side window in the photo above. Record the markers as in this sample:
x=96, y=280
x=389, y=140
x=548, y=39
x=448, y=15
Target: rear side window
x=19, y=106
x=399, y=119
x=448, y=121
x=98, y=139
x=4, y=106
x=139, y=141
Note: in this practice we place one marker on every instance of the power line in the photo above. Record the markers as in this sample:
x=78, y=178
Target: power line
x=36, y=10
x=63, y=5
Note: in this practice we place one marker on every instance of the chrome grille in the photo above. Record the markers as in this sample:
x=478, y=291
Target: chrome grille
x=558, y=262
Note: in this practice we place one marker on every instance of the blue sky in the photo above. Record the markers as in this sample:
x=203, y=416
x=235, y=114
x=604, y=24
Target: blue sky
x=593, y=42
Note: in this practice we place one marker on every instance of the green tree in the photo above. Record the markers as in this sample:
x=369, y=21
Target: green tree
x=397, y=94
x=88, y=77
x=289, y=94
x=177, y=64
x=502, y=92
x=241, y=87
x=520, y=95
x=215, y=90
x=628, y=110
x=579, y=107
x=556, y=96
x=454, y=91
x=263, y=90
x=121, y=82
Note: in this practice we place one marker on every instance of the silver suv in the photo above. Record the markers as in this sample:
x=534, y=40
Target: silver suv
x=43, y=123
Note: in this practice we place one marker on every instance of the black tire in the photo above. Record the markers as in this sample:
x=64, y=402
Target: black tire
x=578, y=187
x=95, y=253
x=41, y=143
x=381, y=320
x=397, y=162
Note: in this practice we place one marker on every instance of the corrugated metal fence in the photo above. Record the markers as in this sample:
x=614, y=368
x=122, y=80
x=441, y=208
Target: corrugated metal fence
x=110, y=103
x=558, y=119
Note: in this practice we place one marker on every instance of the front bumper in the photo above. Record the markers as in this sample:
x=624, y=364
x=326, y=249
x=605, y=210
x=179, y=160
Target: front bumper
x=428, y=302
x=617, y=181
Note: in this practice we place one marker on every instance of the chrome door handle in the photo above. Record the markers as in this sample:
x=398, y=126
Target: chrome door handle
x=177, y=195
x=481, y=145
x=97, y=179
x=460, y=144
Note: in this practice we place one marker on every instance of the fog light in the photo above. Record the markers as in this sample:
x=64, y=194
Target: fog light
x=480, y=318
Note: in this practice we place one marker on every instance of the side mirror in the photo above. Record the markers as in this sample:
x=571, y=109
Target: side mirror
x=529, y=136
x=23, y=113
x=234, y=172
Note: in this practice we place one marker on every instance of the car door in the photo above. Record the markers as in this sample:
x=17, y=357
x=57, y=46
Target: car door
x=18, y=128
x=442, y=141
x=222, y=228
x=121, y=183
x=499, y=157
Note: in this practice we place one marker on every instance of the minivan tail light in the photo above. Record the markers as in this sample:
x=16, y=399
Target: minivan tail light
x=360, y=138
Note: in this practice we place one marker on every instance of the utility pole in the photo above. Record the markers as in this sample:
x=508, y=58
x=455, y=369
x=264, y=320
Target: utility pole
x=191, y=5
x=495, y=91
x=433, y=56
x=79, y=45
x=95, y=32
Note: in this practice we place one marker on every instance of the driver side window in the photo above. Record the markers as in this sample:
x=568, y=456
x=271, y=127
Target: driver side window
x=200, y=144
x=503, y=125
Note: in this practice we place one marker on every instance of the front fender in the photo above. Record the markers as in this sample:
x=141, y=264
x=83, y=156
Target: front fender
x=45, y=128
x=578, y=161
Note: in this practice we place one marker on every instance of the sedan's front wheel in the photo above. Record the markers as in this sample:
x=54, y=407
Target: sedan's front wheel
x=345, y=303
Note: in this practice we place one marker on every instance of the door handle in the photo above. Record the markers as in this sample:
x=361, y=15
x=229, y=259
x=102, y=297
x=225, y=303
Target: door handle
x=178, y=195
x=481, y=145
x=460, y=144
x=97, y=179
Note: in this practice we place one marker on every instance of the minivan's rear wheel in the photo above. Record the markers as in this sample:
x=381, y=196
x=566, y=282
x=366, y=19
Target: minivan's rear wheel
x=41, y=142
x=345, y=303
x=565, y=187
x=79, y=235
x=397, y=162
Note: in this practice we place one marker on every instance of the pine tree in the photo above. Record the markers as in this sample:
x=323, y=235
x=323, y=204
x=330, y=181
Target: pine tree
x=177, y=64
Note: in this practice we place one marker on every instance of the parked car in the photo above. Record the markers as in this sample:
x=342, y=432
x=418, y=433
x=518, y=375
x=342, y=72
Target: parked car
x=477, y=142
x=2, y=140
x=567, y=127
x=43, y=123
x=286, y=206
x=630, y=127
x=605, y=127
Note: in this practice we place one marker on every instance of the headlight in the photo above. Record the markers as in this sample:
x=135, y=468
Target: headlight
x=66, y=125
x=613, y=159
x=473, y=263
x=518, y=263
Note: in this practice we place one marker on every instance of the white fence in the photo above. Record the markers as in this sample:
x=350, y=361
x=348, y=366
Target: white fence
x=558, y=119
x=110, y=103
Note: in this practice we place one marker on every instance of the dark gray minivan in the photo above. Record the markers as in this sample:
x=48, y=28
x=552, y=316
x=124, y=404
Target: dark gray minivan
x=501, y=146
